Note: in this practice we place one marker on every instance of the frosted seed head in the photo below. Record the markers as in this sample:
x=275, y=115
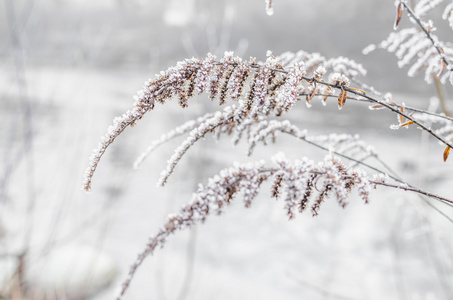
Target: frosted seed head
x=319, y=72
x=339, y=79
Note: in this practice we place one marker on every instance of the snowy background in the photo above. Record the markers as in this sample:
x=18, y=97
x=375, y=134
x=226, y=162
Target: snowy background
x=67, y=68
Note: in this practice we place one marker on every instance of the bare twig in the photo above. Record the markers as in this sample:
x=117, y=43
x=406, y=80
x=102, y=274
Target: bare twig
x=371, y=99
x=415, y=190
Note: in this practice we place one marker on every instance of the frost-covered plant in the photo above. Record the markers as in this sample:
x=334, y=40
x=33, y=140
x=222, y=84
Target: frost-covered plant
x=262, y=93
x=419, y=46
x=302, y=184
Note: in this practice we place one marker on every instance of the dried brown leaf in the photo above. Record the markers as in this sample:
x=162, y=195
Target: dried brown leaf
x=399, y=14
x=311, y=95
x=446, y=153
x=342, y=99
x=400, y=117
x=406, y=123
x=359, y=90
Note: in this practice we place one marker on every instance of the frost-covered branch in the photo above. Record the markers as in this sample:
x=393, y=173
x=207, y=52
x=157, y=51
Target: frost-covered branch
x=427, y=29
x=271, y=90
x=409, y=118
x=294, y=182
x=302, y=184
x=178, y=131
x=261, y=93
x=419, y=47
x=258, y=131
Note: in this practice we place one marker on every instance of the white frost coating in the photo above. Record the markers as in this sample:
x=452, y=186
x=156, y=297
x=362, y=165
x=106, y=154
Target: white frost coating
x=269, y=8
x=368, y=49
x=237, y=80
x=260, y=86
x=346, y=144
x=312, y=61
x=258, y=131
x=265, y=129
x=413, y=51
x=166, y=83
x=288, y=59
x=448, y=15
x=196, y=134
x=203, y=74
x=319, y=72
x=345, y=66
x=119, y=124
x=444, y=126
x=413, y=48
x=425, y=61
x=339, y=79
x=178, y=131
x=381, y=177
x=424, y=6
x=293, y=180
x=288, y=96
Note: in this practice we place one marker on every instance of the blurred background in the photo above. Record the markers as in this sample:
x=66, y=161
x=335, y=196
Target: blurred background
x=68, y=67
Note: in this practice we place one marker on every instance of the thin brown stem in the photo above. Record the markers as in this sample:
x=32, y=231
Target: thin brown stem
x=344, y=156
x=409, y=117
x=404, y=187
x=160, y=93
x=415, y=190
x=440, y=93
x=398, y=106
x=372, y=99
